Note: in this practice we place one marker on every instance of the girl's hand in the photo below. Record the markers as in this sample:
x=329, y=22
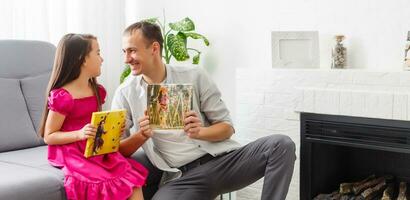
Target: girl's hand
x=88, y=131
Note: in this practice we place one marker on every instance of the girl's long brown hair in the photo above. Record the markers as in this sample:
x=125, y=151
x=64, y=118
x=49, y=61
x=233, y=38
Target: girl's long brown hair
x=70, y=55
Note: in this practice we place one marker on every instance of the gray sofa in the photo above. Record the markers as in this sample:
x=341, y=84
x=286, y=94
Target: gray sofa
x=25, y=67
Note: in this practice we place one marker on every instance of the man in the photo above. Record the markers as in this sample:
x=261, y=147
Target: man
x=200, y=161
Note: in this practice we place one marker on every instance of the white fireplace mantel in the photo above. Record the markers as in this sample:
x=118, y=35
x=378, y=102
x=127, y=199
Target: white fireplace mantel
x=386, y=104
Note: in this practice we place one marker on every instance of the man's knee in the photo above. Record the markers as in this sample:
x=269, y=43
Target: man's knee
x=281, y=142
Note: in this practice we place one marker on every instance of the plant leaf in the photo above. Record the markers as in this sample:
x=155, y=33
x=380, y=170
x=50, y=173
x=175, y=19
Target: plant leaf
x=185, y=24
x=197, y=36
x=152, y=20
x=177, y=46
x=125, y=73
x=183, y=37
x=195, y=59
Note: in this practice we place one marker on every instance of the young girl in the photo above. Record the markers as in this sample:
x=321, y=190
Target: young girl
x=72, y=95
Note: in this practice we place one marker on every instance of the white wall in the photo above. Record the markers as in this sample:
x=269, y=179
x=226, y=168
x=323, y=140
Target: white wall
x=239, y=31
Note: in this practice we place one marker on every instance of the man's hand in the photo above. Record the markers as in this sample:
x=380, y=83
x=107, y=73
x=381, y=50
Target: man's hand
x=131, y=144
x=192, y=124
x=145, y=129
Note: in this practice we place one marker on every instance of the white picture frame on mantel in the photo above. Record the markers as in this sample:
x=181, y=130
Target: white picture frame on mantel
x=295, y=49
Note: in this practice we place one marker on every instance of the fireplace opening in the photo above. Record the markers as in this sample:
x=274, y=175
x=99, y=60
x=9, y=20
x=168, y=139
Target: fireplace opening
x=344, y=149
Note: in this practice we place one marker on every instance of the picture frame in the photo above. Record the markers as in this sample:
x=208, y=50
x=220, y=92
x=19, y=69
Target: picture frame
x=295, y=49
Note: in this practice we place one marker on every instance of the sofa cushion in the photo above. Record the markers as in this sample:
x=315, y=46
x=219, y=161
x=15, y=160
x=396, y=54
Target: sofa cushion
x=34, y=157
x=34, y=90
x=22, y=182
x=24, y=58
x=17, y=131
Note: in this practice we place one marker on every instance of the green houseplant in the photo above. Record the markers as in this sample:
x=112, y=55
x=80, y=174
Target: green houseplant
x=175, y=36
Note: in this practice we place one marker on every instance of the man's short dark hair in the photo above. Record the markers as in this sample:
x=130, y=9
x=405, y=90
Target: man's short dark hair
x=150, y=31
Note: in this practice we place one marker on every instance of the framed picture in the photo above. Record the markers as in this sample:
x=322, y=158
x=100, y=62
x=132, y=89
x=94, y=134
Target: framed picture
x=295, y=49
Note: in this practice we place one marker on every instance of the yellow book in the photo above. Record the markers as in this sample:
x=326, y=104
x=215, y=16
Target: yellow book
x=107, y=138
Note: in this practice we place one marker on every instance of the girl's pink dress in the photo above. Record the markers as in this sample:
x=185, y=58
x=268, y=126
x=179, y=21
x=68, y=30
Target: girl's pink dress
x=105, y=177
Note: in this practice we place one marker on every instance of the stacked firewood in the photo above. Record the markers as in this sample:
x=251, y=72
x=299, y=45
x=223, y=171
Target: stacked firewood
x=380, y=188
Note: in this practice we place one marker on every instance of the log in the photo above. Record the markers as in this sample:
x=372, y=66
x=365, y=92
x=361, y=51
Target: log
x=371, y=183
x=402, y=191
x=347, y=188
x=388, y=192
x=372, y=192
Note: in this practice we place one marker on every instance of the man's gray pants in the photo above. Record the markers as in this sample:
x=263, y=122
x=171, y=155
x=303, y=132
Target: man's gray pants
x=272, y=157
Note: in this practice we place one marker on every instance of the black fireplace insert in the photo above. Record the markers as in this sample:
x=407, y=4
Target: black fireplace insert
x=336, y=149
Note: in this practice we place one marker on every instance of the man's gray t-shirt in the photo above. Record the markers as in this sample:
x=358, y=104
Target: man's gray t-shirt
x=207, y=103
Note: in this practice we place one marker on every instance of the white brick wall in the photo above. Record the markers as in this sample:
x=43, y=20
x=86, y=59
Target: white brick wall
x=269, y=101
